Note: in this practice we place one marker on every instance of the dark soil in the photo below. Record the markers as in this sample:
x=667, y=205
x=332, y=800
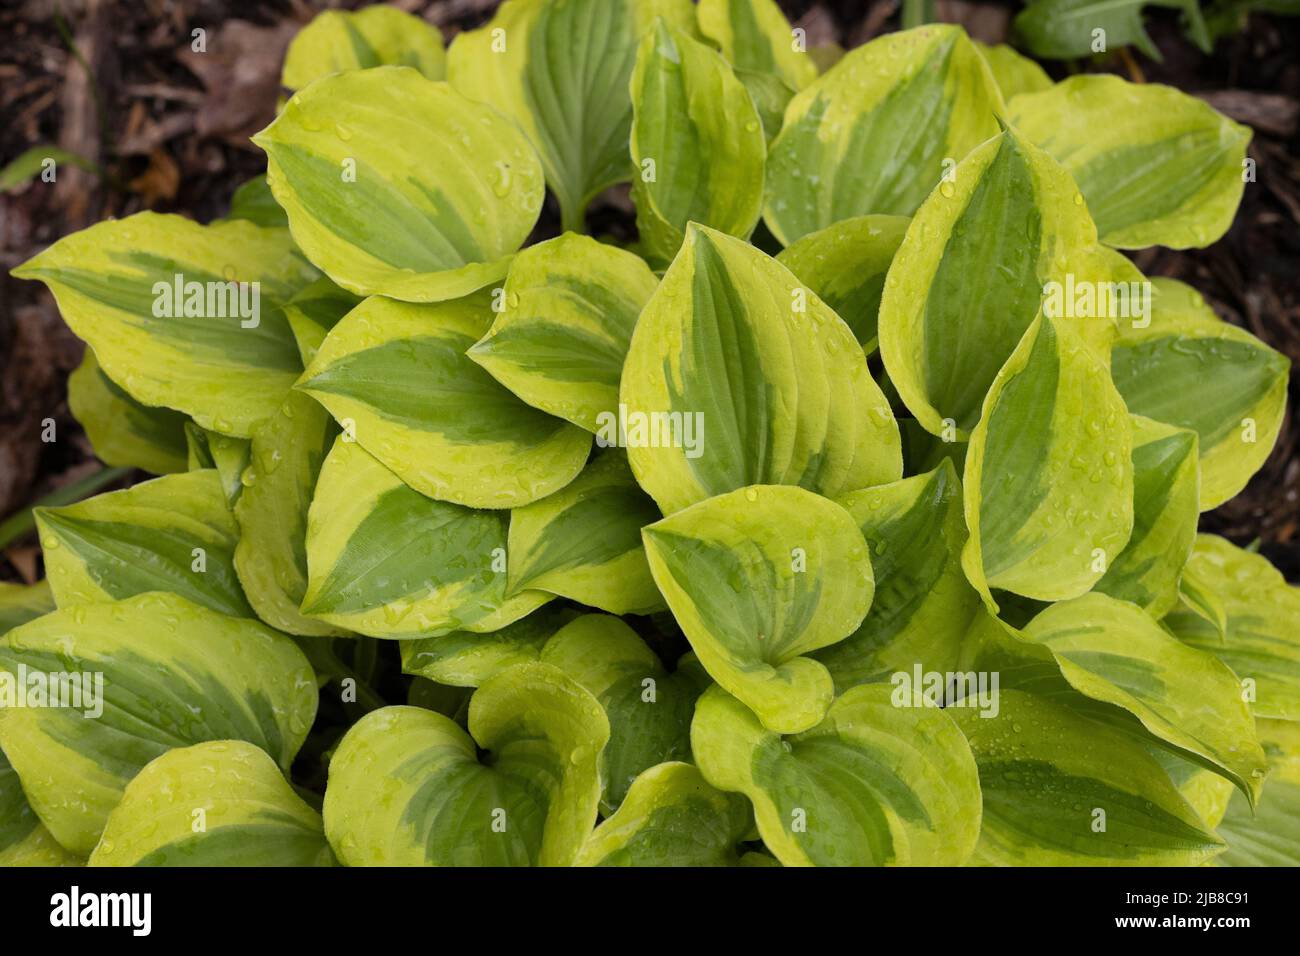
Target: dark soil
x=116, y=81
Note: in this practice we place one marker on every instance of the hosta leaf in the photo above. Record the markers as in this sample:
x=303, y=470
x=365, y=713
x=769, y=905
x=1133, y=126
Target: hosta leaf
x=1065, y=29
x=315, y=310
x=532, y=803
x=1061, y=790
x=1166, y=485
x=271, y=556
x=697, y=143
x=400, y=186
x=758, y=578
x=584, y=541
x=649, y=710
x=1191, y=369
x=770, y=95
x=24, y=841
x=121, y=430
x=1049, y=475
x=173, y=674
x=20, y=603
x=765, y=384
x=671, y=817
x=755, y=36
x=227, y=373
x=221, y=803
x=1269, y=834
x=253, y=201
x=922, y=606
x=871, y=785
x=1262, y=641
x=468, y=659
x=1111, y=651
x=562, y=334
x=1156, y=166
x=968, y=279
x=174, y=534
x=1196, y=595
x=838, y=154
x=380, y=35
x=229, y=456
x=845, y=265
x=561, y=71
x=386, y=561
x=1014, y=73
x=395, y=375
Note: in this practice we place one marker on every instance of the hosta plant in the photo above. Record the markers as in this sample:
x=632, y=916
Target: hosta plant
x=846, y=516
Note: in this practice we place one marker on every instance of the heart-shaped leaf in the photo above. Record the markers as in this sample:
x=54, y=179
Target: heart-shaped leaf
x=1049, y=474
x=1061, y=790
x=922, y=605
x=533, y=803
x=561, y=330
x=926, y=90
x=183, y=315
x=397, y=185
x=584, y=541
x=271, y=556
x=671, y=817
x=1166, y=486
x=845, y=265
x=755, y=36
x=756, y=579
x=154, y=672
x=396, y=377
x=969, y=278
x=1156, y=166
x=174, y=534
x=697, y=143
x=1187, y=367
x=386, y=561
x=379, y=35
x=1111, y=651
x=220, y=803
x=872, y=784
x=737, y=375
x=121, y=430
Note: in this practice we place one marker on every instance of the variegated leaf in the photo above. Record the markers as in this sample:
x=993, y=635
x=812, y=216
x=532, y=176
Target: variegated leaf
x=400, y=186
x=560, y=71
x=1155, y=165
x=845, y=264
x=24, y=841
x=20, y=603
x=584, y=541
x=174, y=533
x=1014, y=73
x=872, y=784
x=532, y=803
x=396, y=377
x=220, y=349
x=154, y=672
x=1166, y=485
x=838, y=154
x=468, y=659
x=386, y=561
x=315, y=310
x=271, y=557
x=1187, y=367
x=698, y=145
x=757, y=579
x=220, y=803
x=737, y=375
x=253, y=201
x=1061, y=790
x=1269, y=834
x=1049, y=475
x=671, y=817
x=229, y=456
x=121, y=430
x=562, y=326
x=922, y=605
x=755, y=36
x=379, y=35
x=1261, y=636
